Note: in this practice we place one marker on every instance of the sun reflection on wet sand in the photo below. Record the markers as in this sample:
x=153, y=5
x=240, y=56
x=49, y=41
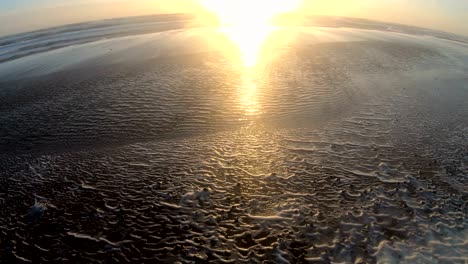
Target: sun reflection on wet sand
x=249, y=25
x=249, y=41
x=248, y=95
x=250, y=44
x=253, y=50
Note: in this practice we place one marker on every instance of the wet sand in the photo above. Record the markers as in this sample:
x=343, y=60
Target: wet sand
x=349, y=145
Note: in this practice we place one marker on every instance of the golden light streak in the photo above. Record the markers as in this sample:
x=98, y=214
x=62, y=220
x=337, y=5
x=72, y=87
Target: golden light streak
x=248, y=23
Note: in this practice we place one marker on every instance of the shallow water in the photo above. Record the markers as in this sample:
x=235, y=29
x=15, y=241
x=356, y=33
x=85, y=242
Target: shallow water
x=348, y=145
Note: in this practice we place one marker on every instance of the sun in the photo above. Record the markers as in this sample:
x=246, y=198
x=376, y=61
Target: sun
x=246, y=13
x=248, y=23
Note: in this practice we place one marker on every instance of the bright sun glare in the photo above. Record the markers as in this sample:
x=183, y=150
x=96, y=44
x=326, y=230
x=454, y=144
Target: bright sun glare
x=248, y=23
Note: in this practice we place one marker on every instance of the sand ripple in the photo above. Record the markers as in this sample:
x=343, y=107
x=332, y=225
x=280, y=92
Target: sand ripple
x=357, y=152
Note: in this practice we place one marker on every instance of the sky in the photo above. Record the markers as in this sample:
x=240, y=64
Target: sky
x=25, y=15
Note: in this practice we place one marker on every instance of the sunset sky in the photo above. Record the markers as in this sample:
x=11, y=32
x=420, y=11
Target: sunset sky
x=24, y=15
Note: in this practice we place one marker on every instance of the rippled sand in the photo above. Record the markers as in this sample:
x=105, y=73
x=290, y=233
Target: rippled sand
x=349, y=146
